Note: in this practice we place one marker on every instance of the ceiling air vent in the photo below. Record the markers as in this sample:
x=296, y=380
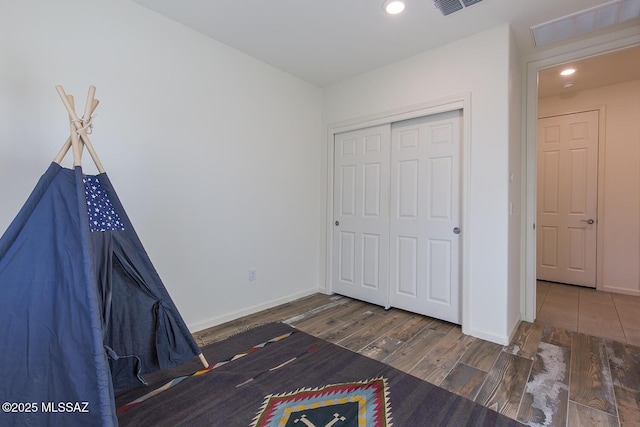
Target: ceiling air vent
x=447, y=7
x=585, y=21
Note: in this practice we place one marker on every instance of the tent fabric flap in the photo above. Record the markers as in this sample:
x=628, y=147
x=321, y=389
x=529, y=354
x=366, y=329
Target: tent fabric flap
x=156, y=332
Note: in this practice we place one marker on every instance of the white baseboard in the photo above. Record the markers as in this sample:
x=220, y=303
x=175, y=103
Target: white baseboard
x=498, y=339
x=514, y=329
x=616, y=290
x=195, y=327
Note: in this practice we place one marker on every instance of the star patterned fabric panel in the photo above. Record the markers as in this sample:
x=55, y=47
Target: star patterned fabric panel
x=102, y=215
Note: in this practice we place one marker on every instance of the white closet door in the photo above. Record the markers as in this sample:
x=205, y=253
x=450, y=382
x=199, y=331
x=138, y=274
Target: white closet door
x=361, y=219
x=425, y=216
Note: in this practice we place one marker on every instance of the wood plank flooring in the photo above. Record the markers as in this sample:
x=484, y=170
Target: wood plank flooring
x=546, y=377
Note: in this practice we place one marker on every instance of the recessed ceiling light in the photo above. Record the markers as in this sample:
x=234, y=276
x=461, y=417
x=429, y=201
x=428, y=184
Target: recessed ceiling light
x=393, y=7
x=567, y=72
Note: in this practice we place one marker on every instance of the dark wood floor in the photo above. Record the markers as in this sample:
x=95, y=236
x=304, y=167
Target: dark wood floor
x=547, y=376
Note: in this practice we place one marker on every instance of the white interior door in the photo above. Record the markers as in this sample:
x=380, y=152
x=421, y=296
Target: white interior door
x=567, y=198
x=361, y=218
x=425, y=216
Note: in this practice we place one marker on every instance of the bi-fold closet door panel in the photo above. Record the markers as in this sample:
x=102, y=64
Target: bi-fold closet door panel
x=397, y=213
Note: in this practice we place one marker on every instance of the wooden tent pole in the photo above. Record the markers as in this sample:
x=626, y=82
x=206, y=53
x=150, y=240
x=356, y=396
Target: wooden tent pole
x=83, y=132
x=75, y=121
x=67, y=145
x=203, y=360
x=75, y=143
x=89, y=103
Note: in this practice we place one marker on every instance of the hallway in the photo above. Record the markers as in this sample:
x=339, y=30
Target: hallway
x=602, y=314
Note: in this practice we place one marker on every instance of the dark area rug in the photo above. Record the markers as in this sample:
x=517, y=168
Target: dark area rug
x=298, y=380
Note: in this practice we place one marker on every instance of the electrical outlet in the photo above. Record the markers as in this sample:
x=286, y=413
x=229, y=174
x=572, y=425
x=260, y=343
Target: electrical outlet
x=252, y=274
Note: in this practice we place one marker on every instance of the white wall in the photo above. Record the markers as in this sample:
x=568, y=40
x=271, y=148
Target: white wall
x=213, y=153
x=619, y=198
x=479, y=65
x=515, y=299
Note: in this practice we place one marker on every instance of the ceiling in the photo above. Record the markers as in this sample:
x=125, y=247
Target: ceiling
x=615, y=67
x=326, y=41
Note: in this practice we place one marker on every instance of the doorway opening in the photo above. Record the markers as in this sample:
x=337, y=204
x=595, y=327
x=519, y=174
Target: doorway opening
x=543, y=82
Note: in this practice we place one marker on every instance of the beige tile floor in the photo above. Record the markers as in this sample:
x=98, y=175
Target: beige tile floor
x=601, y=314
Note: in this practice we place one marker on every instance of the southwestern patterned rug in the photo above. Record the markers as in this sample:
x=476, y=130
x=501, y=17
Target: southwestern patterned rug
x=275, y=375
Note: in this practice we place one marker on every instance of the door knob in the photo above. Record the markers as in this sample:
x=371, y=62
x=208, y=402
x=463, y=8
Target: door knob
x=456, y=230
x=588, y=221
x=337, y=223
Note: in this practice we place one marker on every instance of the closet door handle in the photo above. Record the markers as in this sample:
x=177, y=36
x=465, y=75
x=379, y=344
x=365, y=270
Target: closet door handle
x=588, y=221
x=456, y=230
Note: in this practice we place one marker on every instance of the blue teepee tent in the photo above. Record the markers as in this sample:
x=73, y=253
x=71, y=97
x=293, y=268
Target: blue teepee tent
x=82, y=310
